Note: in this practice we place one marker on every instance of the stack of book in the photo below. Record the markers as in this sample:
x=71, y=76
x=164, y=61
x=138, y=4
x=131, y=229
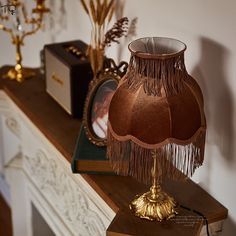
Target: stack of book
x=89, y=158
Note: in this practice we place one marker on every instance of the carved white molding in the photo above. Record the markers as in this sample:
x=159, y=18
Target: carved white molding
x=13, y=126
x=64, y=195
x=4, y=101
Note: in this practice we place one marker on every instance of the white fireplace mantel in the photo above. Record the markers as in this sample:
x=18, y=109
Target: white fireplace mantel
x=38, y=174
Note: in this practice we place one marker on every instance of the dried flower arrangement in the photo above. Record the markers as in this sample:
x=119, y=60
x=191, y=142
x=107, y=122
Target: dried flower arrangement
x=100, y=13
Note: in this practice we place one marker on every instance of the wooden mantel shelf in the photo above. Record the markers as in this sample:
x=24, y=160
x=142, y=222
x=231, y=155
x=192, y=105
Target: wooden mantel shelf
x=117, y=191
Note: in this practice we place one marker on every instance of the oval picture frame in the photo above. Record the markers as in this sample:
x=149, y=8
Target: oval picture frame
x=101, y=90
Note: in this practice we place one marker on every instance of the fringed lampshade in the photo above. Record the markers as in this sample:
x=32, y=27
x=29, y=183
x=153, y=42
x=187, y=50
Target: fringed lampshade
x=156, y=121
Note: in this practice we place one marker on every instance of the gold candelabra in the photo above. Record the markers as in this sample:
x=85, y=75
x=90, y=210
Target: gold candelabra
x=19, y=14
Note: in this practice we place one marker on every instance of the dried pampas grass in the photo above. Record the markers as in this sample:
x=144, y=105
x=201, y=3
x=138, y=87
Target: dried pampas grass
x=100, y=13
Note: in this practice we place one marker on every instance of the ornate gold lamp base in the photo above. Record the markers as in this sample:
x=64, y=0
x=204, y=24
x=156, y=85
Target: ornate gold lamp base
x=19, y=74
x=154, y=205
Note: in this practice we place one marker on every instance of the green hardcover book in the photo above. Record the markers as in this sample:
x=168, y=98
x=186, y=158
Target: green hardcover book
x=89, y=158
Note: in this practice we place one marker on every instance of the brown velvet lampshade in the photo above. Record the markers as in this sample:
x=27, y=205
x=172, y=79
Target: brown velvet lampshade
x=157, y=111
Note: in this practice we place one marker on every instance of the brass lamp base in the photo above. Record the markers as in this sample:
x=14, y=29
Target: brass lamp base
x=19, y=74
x=154, y=205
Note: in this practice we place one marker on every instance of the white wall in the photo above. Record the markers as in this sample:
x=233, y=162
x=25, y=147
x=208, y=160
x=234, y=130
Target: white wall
x=208, y=29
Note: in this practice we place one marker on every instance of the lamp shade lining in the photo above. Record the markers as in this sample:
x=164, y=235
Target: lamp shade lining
x=156, y=47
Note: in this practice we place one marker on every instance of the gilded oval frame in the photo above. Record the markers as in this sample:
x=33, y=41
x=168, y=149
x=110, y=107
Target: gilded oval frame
x=112, y=73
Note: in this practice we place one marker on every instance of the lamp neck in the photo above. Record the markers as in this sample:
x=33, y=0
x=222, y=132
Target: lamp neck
x=155, y=188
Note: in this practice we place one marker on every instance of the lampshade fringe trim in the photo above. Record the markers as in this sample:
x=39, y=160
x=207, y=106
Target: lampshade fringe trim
x=155, y=74
x=174, y=161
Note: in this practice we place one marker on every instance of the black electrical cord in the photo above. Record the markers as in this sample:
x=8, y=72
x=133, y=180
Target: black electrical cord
x=200, y=214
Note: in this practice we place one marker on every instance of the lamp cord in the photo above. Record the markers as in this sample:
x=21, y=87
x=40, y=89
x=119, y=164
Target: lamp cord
x=200, y=214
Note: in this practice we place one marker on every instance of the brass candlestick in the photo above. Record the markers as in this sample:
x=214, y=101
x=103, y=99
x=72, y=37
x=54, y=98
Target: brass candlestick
x=19, y=73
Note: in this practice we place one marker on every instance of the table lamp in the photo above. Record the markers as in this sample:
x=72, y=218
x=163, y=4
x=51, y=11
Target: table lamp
x=156, y=125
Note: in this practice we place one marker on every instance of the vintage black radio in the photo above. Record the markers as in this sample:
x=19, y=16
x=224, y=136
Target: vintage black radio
x=68, y=73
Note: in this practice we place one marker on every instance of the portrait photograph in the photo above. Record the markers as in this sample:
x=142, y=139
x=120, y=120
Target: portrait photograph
x=100, y=106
